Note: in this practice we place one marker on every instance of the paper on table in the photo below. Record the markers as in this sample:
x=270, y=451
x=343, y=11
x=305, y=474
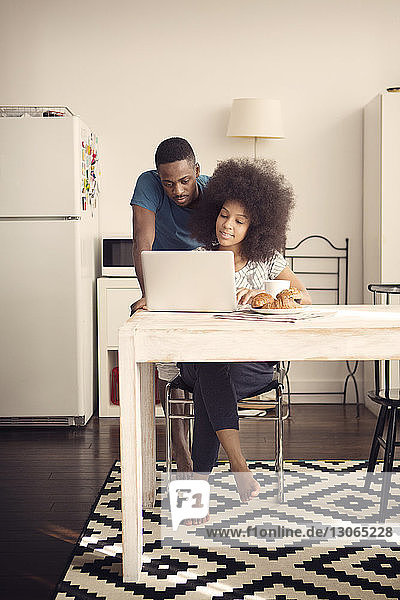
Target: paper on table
x=254, y=315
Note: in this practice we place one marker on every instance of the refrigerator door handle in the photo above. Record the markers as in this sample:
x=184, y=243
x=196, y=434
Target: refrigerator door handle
x=44, y=218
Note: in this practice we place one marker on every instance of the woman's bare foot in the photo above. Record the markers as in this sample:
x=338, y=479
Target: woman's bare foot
x=247, y=486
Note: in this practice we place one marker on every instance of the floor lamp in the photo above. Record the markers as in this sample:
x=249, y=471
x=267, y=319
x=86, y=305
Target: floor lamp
x=256, y=118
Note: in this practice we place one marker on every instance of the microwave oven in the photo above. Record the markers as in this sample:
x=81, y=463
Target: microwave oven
x=116, y=257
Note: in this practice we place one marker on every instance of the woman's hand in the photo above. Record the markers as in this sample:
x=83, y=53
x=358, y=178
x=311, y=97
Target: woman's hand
x=295, y=282
x=244, y=295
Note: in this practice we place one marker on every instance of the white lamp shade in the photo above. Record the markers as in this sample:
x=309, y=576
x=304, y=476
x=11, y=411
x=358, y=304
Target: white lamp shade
x=255, y=117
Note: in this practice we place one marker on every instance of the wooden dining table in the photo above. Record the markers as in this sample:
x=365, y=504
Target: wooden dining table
x=351, y=332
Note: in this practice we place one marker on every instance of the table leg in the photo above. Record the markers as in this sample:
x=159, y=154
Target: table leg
x=131, y=459
x=148, y=433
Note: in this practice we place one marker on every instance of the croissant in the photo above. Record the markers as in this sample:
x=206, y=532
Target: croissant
x=262, y=300
x=284, y=302
x=291, y=293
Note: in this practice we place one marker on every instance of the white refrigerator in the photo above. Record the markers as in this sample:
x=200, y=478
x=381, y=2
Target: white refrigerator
x=48, y=266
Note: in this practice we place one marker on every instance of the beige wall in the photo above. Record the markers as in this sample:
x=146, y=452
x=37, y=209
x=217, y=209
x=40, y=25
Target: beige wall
x=139, y=71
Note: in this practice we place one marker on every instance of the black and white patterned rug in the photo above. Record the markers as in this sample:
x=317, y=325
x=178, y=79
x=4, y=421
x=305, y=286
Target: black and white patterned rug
x=245, y=571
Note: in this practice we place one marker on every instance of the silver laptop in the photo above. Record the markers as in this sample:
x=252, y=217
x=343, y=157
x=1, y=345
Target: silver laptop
x=189, y=281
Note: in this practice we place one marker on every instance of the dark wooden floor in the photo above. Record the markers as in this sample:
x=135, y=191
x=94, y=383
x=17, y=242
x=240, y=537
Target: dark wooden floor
x=49, y=479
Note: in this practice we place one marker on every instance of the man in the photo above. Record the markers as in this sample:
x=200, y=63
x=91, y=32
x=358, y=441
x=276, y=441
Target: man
x=162, y=203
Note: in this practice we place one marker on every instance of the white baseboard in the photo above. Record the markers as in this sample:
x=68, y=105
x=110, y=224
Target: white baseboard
x=300, y=391
x=323, y=391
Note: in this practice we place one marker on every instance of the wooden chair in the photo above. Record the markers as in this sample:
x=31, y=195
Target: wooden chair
x=264, y=408
x=324, y=269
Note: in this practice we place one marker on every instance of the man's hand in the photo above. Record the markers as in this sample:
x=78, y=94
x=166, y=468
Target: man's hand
x=244, y=295
x=141, y=303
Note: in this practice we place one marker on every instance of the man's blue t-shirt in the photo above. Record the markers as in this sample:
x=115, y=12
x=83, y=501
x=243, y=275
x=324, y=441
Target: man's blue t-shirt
x=171, y=220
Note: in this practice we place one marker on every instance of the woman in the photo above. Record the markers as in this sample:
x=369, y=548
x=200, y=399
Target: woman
x=244, y=209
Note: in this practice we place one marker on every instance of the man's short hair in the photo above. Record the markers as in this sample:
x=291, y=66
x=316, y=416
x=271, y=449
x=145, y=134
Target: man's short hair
x=174, y=149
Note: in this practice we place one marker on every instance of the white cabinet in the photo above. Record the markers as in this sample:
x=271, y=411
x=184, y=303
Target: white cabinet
x=114, y=297
x=381, y=205
x=381, y=194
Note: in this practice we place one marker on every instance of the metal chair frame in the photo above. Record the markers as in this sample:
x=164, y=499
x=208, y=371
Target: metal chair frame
x=389, y=399
x=340, y=258
x=254, y=403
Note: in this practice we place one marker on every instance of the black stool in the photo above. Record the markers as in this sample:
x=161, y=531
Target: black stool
x=389, y=399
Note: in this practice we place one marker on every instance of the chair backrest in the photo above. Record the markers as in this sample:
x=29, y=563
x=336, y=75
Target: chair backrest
x=383, y=293
x=323, y=268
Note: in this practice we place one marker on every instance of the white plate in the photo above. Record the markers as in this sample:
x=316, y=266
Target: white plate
x=282, y=311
